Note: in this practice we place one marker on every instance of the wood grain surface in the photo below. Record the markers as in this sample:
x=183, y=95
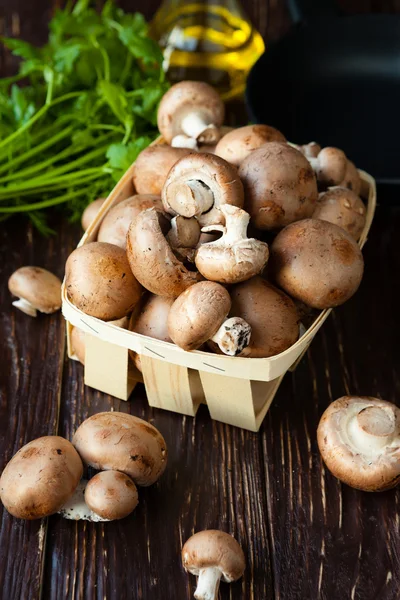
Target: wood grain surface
x=305, y=535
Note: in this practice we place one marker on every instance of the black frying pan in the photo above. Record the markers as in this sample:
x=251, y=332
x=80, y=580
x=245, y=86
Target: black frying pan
x=336, y=80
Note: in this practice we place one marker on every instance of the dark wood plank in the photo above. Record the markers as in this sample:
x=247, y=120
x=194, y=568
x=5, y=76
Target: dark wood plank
x=328, y=540
x=31, y=352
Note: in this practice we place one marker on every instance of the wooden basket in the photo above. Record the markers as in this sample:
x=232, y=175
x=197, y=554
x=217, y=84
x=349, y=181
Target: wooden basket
x=236, y=390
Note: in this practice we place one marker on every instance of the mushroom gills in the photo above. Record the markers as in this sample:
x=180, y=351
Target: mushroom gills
x=233, y=336
x=208, y=584
x=25, y=306
x=76, y=509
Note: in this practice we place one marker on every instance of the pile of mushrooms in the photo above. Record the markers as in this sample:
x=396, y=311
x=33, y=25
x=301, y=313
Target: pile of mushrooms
x=45, y=476
x=268, y=223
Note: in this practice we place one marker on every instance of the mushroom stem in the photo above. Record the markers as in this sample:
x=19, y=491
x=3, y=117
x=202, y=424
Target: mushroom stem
x=76, y=509
x=184, y=141
x=184, y=233
x=26, y=307
x=208, y=584
x=235, y=230
x=190, y=199
x=371, y=429
x=233, y=336
x=196, y=127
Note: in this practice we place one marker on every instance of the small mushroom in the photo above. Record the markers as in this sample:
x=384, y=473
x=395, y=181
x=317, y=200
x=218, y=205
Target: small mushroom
x=211, y=147
x=359, y=440
x=200, y=314
x=271, y=314
x=153, y=165
x=352, y=179
x=235, y=146
x=279, y=185
x=111, y=495
x=76, y=509
x=310, y=150
x=198, y=185
x=234, y=257
x=99, y=281
x=212, y=555
x=329, y=166
x=316, y=262
x=192, y=110
x=115, y=224
x=37, y=290
x=114, y=441
x=151, y=320
x=184, y=233
x=152, y=260
x=41, y=476
x=91, y=212
x=342, y=207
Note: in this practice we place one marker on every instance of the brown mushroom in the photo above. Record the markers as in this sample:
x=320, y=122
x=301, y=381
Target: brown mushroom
x=330, y=166
x=316, y=262
x=115, y=225
x=198, y=185
x=91, y=212
x=99, y=281
x=211, y=147
x=121, y=442
x=152, y=166
x=359, y=440
x=200, y=314
x=310, y=150
x=235, y=146
x=37, y=290
x=212, y=555
x=192, y=110
x=40, y=477
x=151, y=320
x=279, y=185
x=234, y=257
x=111, y=495
x=152, y=260
x=352, y=179
x=343, y=207
x=271, y=314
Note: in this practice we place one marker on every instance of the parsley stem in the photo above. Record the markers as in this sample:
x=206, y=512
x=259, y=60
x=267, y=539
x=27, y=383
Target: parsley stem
x=49, y=186
x=44, y=203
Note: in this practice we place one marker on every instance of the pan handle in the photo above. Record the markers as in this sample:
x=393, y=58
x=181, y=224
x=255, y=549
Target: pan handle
x=302, y=10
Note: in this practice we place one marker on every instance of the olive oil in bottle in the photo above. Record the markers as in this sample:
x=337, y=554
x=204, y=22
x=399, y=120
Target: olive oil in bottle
x=211, y=41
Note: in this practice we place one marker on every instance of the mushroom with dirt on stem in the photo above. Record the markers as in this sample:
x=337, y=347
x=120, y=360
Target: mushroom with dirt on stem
x=99, y=281
x=233, y=257
x=114, y=227
x=316, y=262
x=212, y=555
x=191, y=112
x=200, y=314
x=279, y=184
x=40, y=477
x=152, y=166
x=91, y=212
x=152, y=259
x=37, y=290
x=198, y=185
x=344, y=208
x=359, y=441
x=235, y=146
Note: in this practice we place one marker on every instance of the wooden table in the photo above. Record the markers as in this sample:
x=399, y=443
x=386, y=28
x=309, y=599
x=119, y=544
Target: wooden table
x=305, y=535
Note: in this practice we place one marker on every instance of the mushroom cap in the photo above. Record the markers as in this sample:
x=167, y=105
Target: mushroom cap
x=271, y=314
x=100, y=282
x=279, y=184
x=197, y=314
x=77, y=339
x=114, y=441
x=115, y=224
x=111, y=495
x=37, y=286
x=214, y=549
x=359, y=440
x=316, y=262
x=310, y=150
x=352, y=179
x=90, y=212
x=184, y=98
x=215, y=174
x=151, y=258
x=40, y=477
x=331, y=165
x=344, y=208
x=235, y=146
x=153, y=165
